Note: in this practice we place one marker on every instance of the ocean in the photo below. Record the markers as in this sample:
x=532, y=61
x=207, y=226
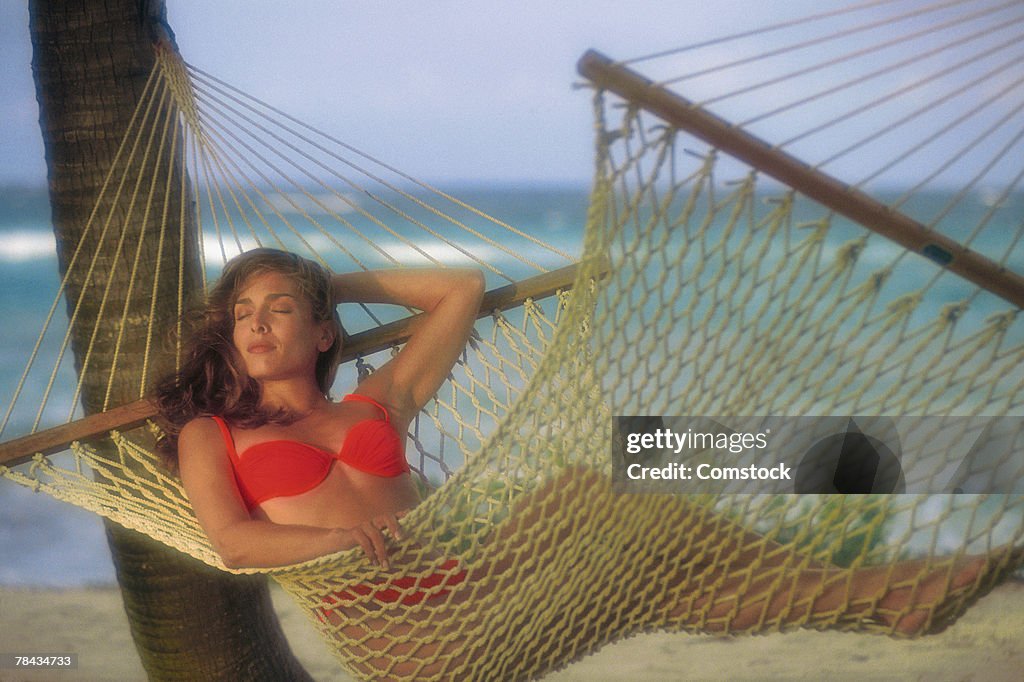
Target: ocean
x=47, y=543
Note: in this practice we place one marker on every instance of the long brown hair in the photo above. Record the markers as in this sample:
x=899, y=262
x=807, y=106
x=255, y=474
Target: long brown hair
x=209, y=382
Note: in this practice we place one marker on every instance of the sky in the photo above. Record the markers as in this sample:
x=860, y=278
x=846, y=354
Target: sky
x=448, y=90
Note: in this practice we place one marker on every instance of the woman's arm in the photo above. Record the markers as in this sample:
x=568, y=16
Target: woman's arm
x=242, y=541
x=450, y=299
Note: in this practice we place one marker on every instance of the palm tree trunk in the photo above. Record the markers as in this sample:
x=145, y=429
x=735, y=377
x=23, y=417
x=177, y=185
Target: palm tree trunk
x=91, y=61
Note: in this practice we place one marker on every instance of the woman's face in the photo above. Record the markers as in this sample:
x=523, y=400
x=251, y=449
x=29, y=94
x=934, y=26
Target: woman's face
x=274, y=331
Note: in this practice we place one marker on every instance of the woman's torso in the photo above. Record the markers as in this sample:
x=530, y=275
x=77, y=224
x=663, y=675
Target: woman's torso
x=338, y=467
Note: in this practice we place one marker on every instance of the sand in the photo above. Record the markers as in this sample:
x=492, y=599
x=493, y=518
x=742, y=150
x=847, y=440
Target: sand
x=986, y=644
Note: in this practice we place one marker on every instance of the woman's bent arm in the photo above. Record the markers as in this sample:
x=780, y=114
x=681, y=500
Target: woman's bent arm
x=451, y=300
x=264, y=544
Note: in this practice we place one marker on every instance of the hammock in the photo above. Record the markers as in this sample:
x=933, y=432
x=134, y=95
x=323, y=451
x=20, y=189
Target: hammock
x=692, y=296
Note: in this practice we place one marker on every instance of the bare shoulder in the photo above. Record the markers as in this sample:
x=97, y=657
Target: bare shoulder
x=199, y=430
x=201, y=436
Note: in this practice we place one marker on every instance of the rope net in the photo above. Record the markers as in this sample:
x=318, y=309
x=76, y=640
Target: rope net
x=702, y=289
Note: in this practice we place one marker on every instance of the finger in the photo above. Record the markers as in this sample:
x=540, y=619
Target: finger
x=365, y=542
x=379, y=545
x=390, y=523
x=401, y=515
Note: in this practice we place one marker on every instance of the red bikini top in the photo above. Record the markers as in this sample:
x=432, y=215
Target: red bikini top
x=281, y=468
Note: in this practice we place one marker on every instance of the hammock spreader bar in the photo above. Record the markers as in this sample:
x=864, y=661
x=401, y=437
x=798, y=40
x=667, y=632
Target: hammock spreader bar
x=134, y=414
x=821, y=187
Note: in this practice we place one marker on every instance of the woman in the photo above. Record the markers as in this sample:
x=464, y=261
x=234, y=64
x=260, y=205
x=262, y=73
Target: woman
x=277, y=474
x=259, y=370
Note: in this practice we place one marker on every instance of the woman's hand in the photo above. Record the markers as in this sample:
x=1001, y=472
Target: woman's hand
x=370, y=536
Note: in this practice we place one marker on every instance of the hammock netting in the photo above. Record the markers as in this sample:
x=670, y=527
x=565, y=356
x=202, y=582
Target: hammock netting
x=702, y=287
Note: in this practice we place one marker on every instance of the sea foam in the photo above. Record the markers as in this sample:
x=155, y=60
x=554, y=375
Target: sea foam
x=22, y=245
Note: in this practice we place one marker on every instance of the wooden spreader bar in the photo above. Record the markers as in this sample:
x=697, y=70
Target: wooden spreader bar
x=850, y=202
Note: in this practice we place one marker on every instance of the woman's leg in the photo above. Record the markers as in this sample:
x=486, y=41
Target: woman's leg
x=572, y=551
x=898, y=598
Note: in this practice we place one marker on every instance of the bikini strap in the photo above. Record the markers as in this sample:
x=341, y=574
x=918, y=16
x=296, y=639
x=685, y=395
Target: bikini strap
x=229, y=442
x=367, y=399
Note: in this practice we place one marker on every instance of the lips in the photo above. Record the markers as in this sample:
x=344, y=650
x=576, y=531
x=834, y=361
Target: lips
x=257, y=348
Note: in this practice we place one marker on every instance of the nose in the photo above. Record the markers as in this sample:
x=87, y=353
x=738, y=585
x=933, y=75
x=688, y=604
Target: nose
x=258, y=323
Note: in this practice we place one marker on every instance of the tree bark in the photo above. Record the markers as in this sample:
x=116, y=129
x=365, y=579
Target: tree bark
x=91, y=61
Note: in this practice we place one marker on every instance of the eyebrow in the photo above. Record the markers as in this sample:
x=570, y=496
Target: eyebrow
x=270, y=297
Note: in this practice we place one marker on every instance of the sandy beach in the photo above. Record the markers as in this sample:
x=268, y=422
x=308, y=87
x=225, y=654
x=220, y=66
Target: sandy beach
x=986, y=644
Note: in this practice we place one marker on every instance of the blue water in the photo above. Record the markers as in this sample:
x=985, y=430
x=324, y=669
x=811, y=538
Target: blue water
x=49, y=543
